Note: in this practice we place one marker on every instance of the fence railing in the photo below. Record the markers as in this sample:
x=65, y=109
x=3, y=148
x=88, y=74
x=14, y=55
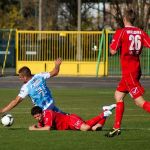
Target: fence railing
x=49, y=45
x=83, y=53
x=77, y=48
x=114, y=61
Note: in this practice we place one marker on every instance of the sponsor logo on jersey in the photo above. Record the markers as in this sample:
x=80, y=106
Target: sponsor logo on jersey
x=134, y=91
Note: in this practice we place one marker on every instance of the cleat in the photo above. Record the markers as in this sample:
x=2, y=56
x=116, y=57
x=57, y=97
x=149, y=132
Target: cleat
x=107, y=113
x=110, y=107
x=113, y=132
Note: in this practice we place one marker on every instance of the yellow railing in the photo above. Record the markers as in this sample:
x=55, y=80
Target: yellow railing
x=78, y=49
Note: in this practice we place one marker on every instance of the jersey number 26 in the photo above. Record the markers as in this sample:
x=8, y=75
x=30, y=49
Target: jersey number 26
x=135, y=42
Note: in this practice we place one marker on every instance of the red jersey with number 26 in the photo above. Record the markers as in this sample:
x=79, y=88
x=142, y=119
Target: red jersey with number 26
x=130, y=40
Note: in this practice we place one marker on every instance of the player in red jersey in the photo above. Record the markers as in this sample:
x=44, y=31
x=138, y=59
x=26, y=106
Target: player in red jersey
x=49, y=119
x=130, y=41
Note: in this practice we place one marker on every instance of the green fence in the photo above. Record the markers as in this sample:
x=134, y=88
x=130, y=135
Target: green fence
x=7, y=51
x=145, y=61
x=114, y=61
x=7, y=47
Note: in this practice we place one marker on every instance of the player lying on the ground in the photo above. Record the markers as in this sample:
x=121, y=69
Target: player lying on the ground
x=48, y=119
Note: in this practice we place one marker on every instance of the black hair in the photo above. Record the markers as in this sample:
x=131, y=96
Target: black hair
x=36, y=110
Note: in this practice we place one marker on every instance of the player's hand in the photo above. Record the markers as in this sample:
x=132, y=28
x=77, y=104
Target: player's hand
x=58, y=62
x=55, y=71
x=33, y=127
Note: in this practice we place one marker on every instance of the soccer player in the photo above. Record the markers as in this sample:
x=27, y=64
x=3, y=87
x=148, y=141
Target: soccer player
x=35, y=87
x=49, y=119
x=130, y=41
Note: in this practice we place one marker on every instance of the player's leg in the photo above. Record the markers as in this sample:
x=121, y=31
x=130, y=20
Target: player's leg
x=85, y=127
x=56, y=109
x=75, y=122
x=119, y=96
x=146, y=106
x=136, y=91
x=100, y=124
x=142, y=103
x=98, y=118
x=96, y=122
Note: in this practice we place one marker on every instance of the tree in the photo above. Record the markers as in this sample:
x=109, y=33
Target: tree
x=63, y=14
x=141, y=7
x=10, y=14
x=68, y=13
x=50, y=14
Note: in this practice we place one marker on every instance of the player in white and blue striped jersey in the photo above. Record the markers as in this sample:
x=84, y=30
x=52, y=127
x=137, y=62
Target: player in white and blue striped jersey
x=35, y=87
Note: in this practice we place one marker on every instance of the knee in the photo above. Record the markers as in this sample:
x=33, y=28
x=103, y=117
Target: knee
x=139, y=104
x=119, y=96
x=85, y=127
x=139, y=101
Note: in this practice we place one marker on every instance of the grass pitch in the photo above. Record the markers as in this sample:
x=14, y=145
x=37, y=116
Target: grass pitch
x=87, y=103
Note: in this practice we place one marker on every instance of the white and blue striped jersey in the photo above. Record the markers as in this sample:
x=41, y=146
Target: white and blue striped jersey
x=38, y=91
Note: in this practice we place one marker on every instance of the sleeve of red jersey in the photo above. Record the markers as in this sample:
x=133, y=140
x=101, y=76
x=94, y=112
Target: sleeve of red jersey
x=146, y=40
x=116, y=41
x=40, y=124
x=48, y=119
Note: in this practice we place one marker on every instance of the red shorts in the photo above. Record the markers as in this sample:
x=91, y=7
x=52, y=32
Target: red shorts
x=75, y=122
x=130, y=84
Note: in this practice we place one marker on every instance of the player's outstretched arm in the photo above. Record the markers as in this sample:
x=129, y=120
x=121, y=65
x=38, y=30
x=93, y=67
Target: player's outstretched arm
x=56, y=69
x=35, y=128
x=11, y=105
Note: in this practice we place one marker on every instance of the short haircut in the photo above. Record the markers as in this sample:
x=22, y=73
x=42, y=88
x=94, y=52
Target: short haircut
x=25, y=71
x=130, y=15
x=36, y=110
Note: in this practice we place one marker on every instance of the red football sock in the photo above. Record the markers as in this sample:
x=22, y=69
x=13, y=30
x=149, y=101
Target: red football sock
x=95, y=120
x=119, y=114
x=102, y=122
x=146, y=106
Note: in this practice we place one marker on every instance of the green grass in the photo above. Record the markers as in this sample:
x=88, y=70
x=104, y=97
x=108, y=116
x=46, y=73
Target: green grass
x=87, y=103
